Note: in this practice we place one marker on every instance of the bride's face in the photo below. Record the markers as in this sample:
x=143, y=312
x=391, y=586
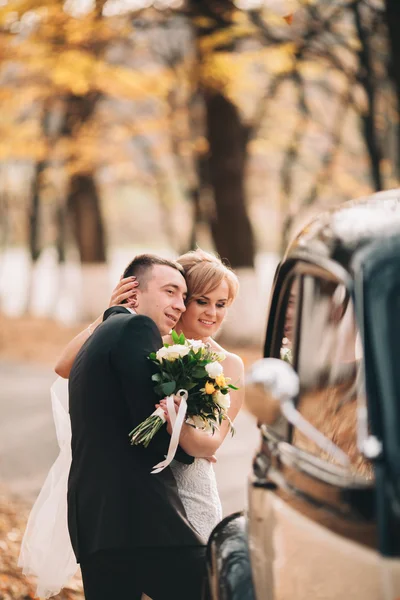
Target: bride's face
x=204, y=315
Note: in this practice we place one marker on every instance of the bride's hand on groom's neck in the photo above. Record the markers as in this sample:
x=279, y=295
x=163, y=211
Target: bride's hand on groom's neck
x=125, y=292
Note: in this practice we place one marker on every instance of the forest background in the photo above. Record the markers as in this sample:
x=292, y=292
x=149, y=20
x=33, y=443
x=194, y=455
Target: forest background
x=131, y=125
x=141, y=125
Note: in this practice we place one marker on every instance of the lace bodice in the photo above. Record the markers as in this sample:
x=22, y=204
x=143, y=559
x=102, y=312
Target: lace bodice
x=198, y=491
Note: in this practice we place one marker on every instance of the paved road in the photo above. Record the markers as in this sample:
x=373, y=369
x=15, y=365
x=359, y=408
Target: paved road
x=28, y=444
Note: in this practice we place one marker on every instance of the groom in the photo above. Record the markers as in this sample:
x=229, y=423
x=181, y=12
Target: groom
x=128, y=528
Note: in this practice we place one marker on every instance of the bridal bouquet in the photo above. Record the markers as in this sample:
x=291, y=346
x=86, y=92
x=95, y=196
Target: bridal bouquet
x=192, y=370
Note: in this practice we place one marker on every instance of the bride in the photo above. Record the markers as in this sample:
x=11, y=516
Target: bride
x=46, y=551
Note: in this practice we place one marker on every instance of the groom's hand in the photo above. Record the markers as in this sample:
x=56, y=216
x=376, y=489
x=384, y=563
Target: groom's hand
x=125, y=290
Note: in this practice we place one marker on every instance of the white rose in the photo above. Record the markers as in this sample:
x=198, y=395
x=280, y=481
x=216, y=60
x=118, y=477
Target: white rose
x=161, y=353
x=196, y=344
x=223, y=400
x=214, y=369
x=176, y=351
x=221, y=356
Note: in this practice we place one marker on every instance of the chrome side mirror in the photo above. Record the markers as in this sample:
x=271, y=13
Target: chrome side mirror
x=272, y=386
x=269, y=383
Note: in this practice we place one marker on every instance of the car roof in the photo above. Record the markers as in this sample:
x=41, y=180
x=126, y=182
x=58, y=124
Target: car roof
x=339, y=233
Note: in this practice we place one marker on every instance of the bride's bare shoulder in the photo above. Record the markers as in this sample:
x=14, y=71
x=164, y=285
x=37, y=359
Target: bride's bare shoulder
x=232, y=361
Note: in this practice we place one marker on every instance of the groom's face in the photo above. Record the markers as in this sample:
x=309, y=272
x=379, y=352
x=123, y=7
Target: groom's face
x=161, y=296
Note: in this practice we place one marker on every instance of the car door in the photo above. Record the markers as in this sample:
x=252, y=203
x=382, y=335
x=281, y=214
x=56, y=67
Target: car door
x=311, y=506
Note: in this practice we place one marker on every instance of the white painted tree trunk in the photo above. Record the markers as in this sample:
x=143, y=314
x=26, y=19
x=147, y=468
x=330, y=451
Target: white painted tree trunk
x=95, y=291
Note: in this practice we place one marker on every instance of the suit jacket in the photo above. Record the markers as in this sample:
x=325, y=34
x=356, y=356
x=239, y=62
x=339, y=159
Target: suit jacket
x=113, y=500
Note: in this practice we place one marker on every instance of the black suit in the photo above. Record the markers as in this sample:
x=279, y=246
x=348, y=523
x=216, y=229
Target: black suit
x=114, y=503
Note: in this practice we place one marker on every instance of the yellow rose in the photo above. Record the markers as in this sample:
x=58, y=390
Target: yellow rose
x=220, y=381
x=210, y=389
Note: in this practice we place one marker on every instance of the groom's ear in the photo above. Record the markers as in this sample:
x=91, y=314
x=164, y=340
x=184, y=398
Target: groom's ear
x=138, y=299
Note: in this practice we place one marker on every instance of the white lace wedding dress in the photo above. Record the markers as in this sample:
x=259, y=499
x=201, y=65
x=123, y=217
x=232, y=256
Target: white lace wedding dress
x=46, y=550
x=198, y=491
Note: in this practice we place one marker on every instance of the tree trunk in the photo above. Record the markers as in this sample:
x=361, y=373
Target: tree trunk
x=82, y=197
x=4, y=220
x=61, y=227
x=34, y=241
x=84, y=207
x=195, y=197
x=393, y=25
x=227, y=137
x=366, y=78
x=34, y=213
x=231, y=228
x=203, y=204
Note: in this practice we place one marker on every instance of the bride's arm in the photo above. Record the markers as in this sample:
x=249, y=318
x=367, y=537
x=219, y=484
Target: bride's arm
x=124, y=290
x=200, y=444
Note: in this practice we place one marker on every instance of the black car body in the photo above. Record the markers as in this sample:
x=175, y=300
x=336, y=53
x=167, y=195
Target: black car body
x=323, y=517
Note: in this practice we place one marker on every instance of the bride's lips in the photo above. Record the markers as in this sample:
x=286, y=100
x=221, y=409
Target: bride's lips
x=207, y=323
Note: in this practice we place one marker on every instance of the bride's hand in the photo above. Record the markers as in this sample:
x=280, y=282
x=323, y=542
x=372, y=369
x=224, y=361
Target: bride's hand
x=177, y=401
x=163, y=405
x=211, y=459
x=125, y=289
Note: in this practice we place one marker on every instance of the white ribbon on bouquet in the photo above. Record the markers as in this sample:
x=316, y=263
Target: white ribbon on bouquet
x=177, y=420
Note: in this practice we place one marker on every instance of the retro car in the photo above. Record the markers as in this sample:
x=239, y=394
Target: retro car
x=323, y=515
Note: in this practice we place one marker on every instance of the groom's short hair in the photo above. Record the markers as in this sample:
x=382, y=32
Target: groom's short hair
x=141, y=267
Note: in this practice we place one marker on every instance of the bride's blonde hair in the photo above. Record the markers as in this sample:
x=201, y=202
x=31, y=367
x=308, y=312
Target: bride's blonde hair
x=204, y=272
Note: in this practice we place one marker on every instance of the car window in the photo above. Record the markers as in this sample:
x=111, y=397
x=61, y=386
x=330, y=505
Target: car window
x=290, y=312
x=329, y=363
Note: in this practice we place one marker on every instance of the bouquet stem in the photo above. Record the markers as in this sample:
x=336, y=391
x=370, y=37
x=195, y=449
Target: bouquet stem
x=145, y=431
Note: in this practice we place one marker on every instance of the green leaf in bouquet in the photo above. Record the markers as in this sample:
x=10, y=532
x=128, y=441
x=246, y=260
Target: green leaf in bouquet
x=182, y=339
x=199, y=372
x=204, y=362
x=156, y=377
x=175, y=337
x=158, y=390
x=233, y=387
x=189, y=386
x=153, y=356
x=168, y=388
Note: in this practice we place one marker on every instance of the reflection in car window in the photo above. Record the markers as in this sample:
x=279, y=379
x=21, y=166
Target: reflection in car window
x=329, y=366
x=289, y=324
